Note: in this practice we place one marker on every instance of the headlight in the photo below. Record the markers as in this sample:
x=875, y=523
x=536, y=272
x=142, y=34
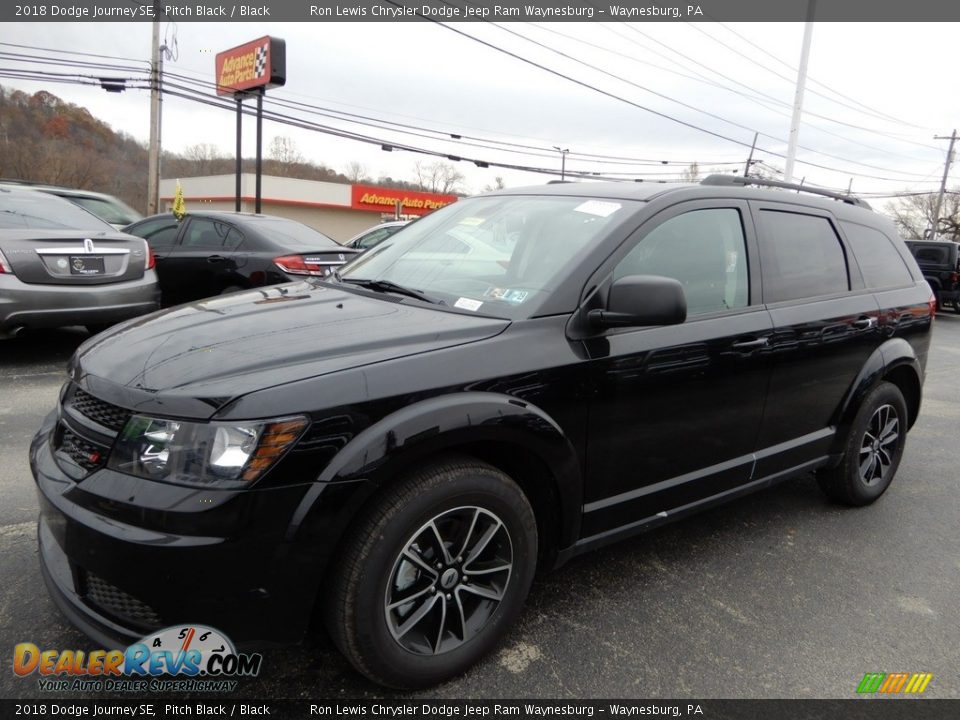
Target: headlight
x=190, y=453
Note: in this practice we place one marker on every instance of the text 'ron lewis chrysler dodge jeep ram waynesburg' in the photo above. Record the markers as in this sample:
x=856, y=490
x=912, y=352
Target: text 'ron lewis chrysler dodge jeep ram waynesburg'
x=510, y=381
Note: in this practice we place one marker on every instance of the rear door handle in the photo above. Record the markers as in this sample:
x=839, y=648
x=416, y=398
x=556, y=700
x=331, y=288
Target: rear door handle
x=864, y=323
x=751, y=344
x=215, y=258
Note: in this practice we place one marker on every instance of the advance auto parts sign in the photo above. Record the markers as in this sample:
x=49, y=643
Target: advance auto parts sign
x=365, y=197
x=259, y=63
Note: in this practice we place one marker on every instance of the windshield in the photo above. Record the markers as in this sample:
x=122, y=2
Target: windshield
x=498, y=256
x=38, y=210
x=290, y=232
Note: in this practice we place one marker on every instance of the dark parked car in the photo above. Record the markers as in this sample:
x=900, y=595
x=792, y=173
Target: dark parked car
x=396, y=450
x=939, y=262
x=371, y=237
x=212, y=253
x=61, y=265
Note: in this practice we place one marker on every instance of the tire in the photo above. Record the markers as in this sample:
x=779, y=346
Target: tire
x=458, y=612
x=872, y=450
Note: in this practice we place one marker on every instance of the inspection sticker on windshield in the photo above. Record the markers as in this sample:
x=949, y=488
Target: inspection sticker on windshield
x=472, y=221
x=598, y=208
x=468, y=304
x=507, y=295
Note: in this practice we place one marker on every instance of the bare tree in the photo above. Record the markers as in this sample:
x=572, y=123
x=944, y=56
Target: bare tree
x=205, y=158
x=691, y=174
x=497, y=184
x=913, y=215
x=356, y=172
x=284, y=150
x=438, y=177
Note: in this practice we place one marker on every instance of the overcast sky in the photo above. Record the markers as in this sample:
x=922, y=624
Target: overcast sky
x=881, y=91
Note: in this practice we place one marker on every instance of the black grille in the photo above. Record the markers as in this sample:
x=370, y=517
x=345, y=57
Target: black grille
x=86, y=454
x=102, y=413
x=117, y=603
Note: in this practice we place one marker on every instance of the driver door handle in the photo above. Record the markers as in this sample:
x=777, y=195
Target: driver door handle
x=215, y=258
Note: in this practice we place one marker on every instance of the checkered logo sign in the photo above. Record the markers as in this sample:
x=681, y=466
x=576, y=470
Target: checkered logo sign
x=260, y=64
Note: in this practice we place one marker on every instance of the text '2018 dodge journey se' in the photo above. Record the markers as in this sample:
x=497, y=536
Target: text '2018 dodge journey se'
x=515, y=379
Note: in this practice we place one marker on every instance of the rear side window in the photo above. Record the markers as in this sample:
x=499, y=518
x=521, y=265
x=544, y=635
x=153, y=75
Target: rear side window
x=800, y=257
x=160, y=233
x=879, y=260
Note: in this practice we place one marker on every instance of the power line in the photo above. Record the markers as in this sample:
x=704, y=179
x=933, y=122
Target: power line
x=662, y=114
x=698, y=77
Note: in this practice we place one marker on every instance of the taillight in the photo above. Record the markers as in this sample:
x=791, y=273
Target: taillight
x=4, y=265
x=954, y=277
x=932, y=302
x=151, y=258
x=296, y=265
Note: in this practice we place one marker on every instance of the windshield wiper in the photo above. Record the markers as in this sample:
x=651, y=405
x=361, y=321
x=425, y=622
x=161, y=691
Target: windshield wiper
x=390, y=286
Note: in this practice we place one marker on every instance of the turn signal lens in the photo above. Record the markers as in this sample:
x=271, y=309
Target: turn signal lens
x=277, y=437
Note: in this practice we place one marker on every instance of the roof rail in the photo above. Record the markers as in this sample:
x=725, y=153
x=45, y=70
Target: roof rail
x=729, y=180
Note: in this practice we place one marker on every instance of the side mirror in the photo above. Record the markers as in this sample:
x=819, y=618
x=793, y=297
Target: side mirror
x=637, y=300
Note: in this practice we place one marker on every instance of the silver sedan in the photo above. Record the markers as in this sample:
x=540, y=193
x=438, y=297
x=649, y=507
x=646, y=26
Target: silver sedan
x=61, y=265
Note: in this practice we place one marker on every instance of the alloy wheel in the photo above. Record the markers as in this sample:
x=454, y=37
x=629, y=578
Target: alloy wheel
x=879, y=444
x=448, y=580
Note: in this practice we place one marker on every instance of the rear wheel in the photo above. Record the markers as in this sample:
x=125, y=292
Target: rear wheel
x=873, y=449
x=434, y=575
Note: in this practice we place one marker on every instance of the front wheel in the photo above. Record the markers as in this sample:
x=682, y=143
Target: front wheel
x=873, y=449
x=434, y=574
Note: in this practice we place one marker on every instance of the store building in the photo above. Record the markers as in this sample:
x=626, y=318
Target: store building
x=335, y=209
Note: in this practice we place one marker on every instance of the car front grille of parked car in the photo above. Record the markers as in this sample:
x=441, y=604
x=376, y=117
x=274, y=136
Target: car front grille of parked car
x=85, y=432
x=102, y=413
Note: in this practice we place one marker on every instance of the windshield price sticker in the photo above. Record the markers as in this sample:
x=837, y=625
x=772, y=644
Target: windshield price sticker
x=598, y=208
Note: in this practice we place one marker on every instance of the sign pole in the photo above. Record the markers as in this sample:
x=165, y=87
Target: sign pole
x=259, y=146
x=239, y=97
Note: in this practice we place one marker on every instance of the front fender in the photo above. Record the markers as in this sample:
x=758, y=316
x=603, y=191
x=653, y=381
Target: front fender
x=449, y=423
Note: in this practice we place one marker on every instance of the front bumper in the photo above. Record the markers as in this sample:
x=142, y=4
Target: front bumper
x=122, y=556
x=46, y=306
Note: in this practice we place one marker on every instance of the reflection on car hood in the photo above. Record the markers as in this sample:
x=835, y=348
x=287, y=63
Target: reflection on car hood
x=227, y=346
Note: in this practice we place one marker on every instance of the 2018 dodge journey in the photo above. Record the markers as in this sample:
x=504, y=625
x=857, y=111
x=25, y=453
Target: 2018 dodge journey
x=511, y=381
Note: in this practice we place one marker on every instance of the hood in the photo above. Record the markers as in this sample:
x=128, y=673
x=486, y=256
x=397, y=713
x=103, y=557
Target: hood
x=225, y=347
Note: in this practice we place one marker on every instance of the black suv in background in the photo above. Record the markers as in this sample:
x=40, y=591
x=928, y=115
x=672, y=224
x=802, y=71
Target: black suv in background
x=939, y=261
x=397, y=447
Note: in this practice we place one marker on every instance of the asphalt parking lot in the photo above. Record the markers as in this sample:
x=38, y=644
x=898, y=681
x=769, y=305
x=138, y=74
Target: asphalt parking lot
x=780, y=594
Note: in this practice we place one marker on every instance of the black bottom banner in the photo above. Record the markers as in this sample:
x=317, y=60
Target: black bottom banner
x=872, y=709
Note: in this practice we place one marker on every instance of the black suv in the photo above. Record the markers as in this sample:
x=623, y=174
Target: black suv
x=513, y=380
x=939, y=262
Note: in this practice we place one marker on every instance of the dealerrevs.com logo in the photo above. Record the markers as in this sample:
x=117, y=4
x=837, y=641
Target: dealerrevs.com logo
x=191, y=658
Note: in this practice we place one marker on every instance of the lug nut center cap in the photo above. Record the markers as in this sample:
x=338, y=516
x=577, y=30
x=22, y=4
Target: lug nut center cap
x=449, y=578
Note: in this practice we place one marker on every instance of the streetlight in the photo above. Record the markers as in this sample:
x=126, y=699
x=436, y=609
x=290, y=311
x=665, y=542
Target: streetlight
x=563, y=161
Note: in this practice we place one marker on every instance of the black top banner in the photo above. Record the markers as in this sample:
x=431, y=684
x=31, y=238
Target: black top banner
x=481, y=11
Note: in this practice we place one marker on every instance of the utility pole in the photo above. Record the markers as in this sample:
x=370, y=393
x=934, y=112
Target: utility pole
x=798, y=97
x=563, y=161
x=156, y=73
x=943, y=183
x=746, y=168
